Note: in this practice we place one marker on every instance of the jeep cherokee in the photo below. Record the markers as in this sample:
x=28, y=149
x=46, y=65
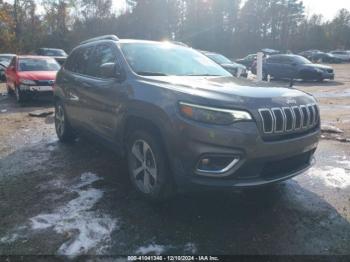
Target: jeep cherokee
x=181, y=120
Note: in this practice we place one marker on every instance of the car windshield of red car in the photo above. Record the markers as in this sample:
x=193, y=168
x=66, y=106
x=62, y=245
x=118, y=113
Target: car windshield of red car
x=32, y=64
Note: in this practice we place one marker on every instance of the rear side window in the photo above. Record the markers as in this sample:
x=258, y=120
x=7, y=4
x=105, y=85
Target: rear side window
x=78, y=61
x=279, y=60
x=104, y=53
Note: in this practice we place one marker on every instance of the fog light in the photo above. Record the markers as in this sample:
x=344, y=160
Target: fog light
x=216, y=164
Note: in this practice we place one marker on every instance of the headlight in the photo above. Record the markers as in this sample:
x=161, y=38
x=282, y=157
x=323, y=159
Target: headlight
x=211, y=115
x=27, y=82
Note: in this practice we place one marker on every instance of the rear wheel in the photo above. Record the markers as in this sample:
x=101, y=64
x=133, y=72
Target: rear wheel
x=148, y=167
x=64, y=131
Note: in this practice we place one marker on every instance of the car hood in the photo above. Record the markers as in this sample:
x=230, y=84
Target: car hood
x=232, y=92
x=317, y=66
x=233, y=65
x=38, y=75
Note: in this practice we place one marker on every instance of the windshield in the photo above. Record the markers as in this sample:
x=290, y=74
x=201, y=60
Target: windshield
x=168, y=59
x=301, y=60
x=220, y=59
x=32, y=64
x=5, y=58
x=52, y=52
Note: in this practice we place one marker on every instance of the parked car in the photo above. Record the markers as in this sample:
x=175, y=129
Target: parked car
x=269, y=51
x=343, y=55
x=5, y=60
x=181, y=120
x=59, y=54
x=325, y=58
x=309, y=53
x=27, y=76
x=6, y=57
x=247, y=61
x=235, y=69
x=295, y=67
x=3, y=65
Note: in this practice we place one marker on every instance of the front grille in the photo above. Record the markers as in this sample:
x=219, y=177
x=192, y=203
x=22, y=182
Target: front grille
x=288, y=119
x=45, y=82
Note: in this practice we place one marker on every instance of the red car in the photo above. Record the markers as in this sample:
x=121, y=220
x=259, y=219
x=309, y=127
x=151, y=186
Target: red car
x=31, y=75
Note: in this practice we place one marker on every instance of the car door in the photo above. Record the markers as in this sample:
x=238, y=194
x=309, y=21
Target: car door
x=74, y=80
x=289, y=66
x=272, y=67
x=102, y=96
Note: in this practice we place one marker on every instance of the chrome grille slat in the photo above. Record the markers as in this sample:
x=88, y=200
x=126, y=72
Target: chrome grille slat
x=279, y=120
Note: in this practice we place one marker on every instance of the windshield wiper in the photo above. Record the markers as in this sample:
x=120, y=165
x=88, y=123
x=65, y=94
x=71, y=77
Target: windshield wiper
x=146, y=73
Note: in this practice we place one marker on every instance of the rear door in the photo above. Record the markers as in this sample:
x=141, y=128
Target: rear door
x=102, y=96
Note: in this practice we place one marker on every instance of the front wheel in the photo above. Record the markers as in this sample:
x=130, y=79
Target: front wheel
x=148, y=167
x=64, y=131
x=20, y=97
x=9, y=90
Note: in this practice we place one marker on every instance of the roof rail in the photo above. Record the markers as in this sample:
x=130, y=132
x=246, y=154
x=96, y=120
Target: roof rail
x=104, y=37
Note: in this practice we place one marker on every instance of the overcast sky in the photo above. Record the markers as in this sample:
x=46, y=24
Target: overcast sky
x=327, y=8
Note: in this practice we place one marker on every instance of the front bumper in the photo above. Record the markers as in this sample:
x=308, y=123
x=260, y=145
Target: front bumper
x=326, y=75
x=32, y=88
x=260, y=162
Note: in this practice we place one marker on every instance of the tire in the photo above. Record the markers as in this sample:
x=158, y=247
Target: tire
x=148, y=166
x=264, y=76
x=64, y=131
x=9, y=90
x=20, y=96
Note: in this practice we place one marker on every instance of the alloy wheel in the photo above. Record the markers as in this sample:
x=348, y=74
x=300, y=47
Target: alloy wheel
x=59, y=120
x=144, y=167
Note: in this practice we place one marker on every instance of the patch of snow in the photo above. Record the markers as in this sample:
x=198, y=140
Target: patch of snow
x=86, y=179
x=151, y=249
x=344, y=162
x=332, y=176
x=10, y=238
x=87, y=229
x=190, y=248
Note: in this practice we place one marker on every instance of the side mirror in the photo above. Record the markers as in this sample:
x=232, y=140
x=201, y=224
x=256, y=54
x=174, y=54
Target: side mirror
x=108, y=70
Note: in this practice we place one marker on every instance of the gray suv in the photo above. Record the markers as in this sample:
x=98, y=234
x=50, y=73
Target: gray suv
x=180, y=119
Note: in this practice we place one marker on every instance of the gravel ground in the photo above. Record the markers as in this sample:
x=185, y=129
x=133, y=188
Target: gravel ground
x=76, y=199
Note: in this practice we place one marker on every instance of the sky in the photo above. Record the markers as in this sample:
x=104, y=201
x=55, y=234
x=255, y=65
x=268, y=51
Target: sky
x=327, y=8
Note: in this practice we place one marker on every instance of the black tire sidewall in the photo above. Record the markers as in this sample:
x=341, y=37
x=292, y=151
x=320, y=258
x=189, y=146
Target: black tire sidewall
x=68, y=134
x=163, y=184
x=20, y=97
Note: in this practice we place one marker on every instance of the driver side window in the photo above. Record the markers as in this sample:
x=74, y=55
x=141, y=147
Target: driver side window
x=103, y=53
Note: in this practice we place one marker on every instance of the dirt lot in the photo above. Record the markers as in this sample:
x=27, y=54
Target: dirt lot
x=60, y=199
